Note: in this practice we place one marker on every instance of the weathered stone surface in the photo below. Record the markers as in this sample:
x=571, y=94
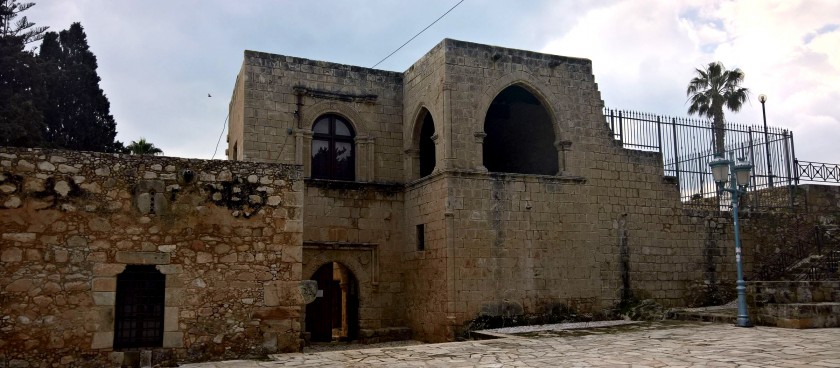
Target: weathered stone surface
x=21, y=285
x=77, y=241
x=282, y=293
x=19, y=237
x=46, y=166
x=102, y=340
x=104, y=298
x=12, y=255
x=104, y=284
x=62, y=188
x=12, y=202
x=173, y=339
x=153, y=258
x=99, y=224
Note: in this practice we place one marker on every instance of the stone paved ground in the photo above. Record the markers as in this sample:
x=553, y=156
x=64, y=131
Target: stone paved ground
x=657, y=345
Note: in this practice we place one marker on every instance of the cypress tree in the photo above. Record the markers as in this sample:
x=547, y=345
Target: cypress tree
x=76, y=111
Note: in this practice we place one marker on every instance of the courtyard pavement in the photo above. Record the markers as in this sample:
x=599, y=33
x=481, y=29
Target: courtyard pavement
x=668, y=344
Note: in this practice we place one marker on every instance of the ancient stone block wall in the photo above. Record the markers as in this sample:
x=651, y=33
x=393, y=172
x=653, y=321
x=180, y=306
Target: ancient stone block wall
x=236, y=114
x=361, y=227
x=428, y=276
x=607, y=226
x=424, y=89
x=277, y=129
x=525, y=242
x=226, y=235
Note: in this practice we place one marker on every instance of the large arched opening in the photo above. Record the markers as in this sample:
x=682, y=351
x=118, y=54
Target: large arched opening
x=519, y=134
x=334, y=315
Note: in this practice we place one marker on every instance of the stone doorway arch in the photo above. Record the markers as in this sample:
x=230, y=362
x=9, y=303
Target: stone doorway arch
x=334, y=315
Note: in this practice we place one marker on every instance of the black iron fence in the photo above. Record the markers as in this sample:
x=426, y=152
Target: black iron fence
x=686, y=146
x=817, y=171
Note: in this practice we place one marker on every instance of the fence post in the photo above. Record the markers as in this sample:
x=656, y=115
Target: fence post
x=659, y=133
x=620, y=129
x=676, y=152
x=612, y=123
x=752, y=178
x=795, y=163
x=787, y=167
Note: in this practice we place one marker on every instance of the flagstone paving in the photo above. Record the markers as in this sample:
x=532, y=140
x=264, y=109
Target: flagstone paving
x=681, y=344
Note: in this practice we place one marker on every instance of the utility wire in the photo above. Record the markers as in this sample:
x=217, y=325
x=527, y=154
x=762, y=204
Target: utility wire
x=220, y=137
x=415, y=36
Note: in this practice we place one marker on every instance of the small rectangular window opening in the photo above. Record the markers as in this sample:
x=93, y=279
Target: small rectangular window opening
x=421, y=237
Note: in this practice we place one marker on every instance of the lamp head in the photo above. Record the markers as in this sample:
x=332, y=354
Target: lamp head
x=762, y=98
x=720, y=170
x=743, y=171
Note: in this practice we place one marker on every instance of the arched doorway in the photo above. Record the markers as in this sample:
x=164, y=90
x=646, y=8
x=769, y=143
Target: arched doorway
x=520, y=136
x=334, y=315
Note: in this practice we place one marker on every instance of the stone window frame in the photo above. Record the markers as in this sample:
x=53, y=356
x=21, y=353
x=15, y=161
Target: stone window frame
x=413, y=151
x=329, y=170
x=364, y=140
x=539, y=90
x=104, y=290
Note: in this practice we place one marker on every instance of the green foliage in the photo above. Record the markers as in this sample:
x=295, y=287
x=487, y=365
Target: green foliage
x=142, y=147
x=713, y=89
x=51, y=99
x=21, y=122
x=76, y=111
x=23, y=28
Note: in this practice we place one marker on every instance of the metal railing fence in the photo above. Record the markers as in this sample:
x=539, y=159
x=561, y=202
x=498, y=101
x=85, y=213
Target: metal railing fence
x=686, y=146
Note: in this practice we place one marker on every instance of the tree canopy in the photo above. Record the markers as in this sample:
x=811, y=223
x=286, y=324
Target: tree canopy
x=142, y=147
x=713, y=89
x=51, y=99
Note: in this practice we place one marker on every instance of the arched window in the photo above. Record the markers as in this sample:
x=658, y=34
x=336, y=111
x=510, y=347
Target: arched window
x=332, y=149
x=427, y=145
x=520, y=137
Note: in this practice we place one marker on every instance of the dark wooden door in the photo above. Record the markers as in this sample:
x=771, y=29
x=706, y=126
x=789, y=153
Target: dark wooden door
x=319, y=313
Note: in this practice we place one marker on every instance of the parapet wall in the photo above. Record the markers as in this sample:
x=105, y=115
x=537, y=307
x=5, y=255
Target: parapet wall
x=227, y=236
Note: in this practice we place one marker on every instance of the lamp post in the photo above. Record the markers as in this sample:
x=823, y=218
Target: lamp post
x=737, y=176
x=763, y=98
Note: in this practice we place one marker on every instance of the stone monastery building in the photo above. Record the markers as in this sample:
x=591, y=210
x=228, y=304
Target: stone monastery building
x=481, y=183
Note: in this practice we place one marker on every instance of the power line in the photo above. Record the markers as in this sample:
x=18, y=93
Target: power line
x=415, y=36
x=224, y=125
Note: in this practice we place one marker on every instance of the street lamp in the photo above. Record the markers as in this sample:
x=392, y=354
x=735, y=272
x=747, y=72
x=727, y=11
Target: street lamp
x=737, y=174
x=763, y=98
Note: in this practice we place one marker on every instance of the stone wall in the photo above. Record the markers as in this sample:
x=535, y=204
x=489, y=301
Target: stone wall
x=226, y=235
x=284, y=96
x=361, y=227
x=428, y=272
x=607, y=226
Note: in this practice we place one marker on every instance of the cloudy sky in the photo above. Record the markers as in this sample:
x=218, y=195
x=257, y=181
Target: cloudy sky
x=158, y=60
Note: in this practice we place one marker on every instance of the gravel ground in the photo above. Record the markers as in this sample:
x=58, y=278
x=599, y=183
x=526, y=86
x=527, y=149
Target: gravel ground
x=558, y=327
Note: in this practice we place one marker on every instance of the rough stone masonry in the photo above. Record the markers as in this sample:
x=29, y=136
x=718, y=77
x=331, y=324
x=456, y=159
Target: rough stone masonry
x=225, y=235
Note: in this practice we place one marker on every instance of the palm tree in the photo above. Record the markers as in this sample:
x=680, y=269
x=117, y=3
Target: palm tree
x=142, y=147
x=710, y=91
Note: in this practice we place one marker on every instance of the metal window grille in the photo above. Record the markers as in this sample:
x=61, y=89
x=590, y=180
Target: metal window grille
x=139, y=307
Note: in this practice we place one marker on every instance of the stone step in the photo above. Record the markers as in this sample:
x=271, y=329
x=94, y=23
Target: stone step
x=799, y=315
x=728, y=315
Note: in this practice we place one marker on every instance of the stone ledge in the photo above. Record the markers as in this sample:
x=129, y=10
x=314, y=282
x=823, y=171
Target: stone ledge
x=144, y=258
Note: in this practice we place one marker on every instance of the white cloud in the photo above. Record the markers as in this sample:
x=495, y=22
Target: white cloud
x=644, y=53
x=159, y=59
